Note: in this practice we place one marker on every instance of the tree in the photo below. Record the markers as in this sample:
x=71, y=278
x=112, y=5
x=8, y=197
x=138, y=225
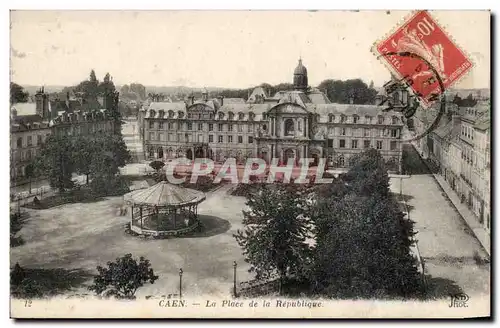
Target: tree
x=139, y=90
x=123, y=277
x=363, y=250
x=344, y=91
x=29, y=171
x=276, y=228
x=84, y=155
x=56, y=162
x=367, y=174
x=157, y=165
x=93, y=78
x=17, y=93
x=109, y=153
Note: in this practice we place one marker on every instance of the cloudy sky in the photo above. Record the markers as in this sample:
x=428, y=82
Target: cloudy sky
x=223, y=49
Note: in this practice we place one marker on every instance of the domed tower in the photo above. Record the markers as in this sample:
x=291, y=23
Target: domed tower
x=300, y=77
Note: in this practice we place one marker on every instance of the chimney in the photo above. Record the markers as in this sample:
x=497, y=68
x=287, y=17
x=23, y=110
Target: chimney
x=67, y=99
x=39, y=102
x=13, y=113
x=45, y=107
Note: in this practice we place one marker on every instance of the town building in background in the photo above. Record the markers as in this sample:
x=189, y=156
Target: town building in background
x=294, y=124
x=460, y=150
x=32, y=122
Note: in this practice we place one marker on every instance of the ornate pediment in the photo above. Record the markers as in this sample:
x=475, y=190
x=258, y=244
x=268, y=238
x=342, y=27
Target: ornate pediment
x=288, y=108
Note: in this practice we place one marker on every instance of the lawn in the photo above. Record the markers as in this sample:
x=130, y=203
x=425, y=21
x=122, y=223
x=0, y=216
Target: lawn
x=78, y=237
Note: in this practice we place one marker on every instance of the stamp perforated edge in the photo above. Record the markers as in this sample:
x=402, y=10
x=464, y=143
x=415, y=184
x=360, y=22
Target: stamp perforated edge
x=405, y=20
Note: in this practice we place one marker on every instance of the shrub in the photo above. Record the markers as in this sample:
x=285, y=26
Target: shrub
x=122, y=278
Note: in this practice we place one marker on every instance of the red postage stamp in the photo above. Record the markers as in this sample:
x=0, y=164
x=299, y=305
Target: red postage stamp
x=421, y=53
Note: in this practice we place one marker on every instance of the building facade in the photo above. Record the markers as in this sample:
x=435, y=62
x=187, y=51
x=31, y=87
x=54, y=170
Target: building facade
x=44, y=117
x=292, y=124
x=460, y=148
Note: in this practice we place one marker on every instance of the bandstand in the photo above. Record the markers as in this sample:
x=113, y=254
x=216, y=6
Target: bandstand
x=164, y=210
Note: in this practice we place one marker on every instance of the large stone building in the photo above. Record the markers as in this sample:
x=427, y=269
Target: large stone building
x=31, y=123
x=291, y=124
x=460, y=149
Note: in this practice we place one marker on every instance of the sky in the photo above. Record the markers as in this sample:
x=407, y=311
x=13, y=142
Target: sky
x=234, y=49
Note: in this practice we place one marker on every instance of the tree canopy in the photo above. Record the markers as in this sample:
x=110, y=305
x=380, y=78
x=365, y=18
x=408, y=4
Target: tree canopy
x=18, y=94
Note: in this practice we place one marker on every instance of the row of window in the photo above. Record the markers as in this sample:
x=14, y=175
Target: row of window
x=468, y=131
x=25, y=155
x=365, y=132
x=200, y=126
x=29, y=141
x=355, y=144
x=188, y=138
x=356, y=119
x=220, y=115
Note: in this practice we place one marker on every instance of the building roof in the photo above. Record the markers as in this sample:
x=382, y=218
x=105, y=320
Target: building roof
x=234, y=101
x=27, y=122
x=318, y=97
x=28, y=108
x=350, y=109
x=164, y=194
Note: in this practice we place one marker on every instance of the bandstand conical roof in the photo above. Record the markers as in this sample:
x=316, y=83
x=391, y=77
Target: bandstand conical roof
x=165, y=194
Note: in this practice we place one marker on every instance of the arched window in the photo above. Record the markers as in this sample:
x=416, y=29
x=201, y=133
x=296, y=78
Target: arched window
x=180, y=114
x=331, y=118
x=161, y=113
x=221, y=115
x=170, y=113
x=341, y=161
x=230, y=115
x=289, y=127
x=241, y=116
x=264, y=127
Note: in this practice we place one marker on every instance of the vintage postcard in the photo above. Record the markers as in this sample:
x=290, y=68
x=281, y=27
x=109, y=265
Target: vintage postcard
x=250, y=164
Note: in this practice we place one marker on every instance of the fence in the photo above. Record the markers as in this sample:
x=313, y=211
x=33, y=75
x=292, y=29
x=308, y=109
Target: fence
x=415, y=251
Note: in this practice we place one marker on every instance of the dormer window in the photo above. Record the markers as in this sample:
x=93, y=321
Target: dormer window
x=231, y=115
x=368, y=119
x=180, y=114
x=289, y=127
x=394, y=120
x=241, y=116
x=221, y=115
x=251, y=116
x=355, y=119
x=380, y=119
x=152, y=113
x=331, y=118
x=170, y=114
x=161, y=114
x=342, y=118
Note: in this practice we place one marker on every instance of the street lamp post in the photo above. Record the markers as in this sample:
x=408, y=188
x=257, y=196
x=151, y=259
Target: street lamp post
x=234, y=277
x=180, y=283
